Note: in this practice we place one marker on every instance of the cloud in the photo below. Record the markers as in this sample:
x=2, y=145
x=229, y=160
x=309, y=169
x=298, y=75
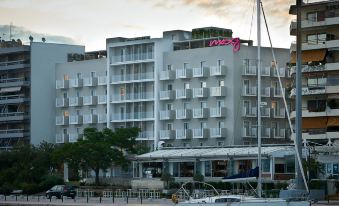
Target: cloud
x=23, y=33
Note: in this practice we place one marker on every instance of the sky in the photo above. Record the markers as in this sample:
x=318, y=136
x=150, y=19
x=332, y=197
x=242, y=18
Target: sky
x=89, y=23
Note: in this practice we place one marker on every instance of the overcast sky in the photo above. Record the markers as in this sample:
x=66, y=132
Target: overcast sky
x=90, y=22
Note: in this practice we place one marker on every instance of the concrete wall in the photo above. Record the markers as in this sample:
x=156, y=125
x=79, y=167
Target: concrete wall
x=44, y=56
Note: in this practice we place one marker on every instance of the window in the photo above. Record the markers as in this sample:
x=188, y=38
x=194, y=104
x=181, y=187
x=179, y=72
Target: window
x=66, y=77
x=203, y=125
x=169, y=87
x=221, y=83
x=203, y=85
x=78, y=93
x=219, y=168
x=279, y=168
x=312, y=16
x=169, y=126
x=187, y=105
x=78, y=112
x=202, y=64
x=266, y=165
x=221, y=62
x=186, y=125
x=64, y=131
x=186, y=85
x=65, y=94
x=93, y=74
x=78, y=130
x=169, y=67
x=93, y=111
x=316, y=105
x=221, y=103
x=169, y=106
x=207, y=168
x=93, y=92
x=66, y=113
x=79, y=75
x=221, y=124
x=203, y=105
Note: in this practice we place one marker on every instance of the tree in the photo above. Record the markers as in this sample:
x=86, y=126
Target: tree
x=167, y=178
x=98, y=150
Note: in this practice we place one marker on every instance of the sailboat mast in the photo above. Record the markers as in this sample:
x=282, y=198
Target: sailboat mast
x=298, y=132
x=259, y=189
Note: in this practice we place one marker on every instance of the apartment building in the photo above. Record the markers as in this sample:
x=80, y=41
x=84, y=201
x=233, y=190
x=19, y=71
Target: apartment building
x=27, y=88
x=181, y=90
x=320, y=66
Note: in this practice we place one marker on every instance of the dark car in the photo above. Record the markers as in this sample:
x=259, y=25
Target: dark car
x=61, y=190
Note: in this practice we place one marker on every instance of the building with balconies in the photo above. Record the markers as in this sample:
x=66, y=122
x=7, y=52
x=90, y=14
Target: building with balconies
x=26, y=72
x=320, y=70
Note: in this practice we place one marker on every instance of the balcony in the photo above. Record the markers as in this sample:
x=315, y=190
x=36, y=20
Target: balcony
x=102, y=118
x=218, y=112
x=279, y=113
x=60, y=138
x=75, y=119
x=249, y=91
x=218, y=70
x=201, y=133
x=249, y=132
x=102, y=80
x=62, y=84
x=265, y=112
x=14, y=82
x=183, y=93
x=265, y=71
x=167, y=95
x=61, y=120
x=75, y=101
x=128, y=78
x=218, y=132
x=13, y=116
x=278, y=133
x=145, y=135
x=90, y=119
x=328, y=21
x=12, y=99
x=136, y=116
x=249, y=70
x=218, y=91
x=167, y=115
x=183, y=73
x=183, y=114
x=133, y=97
x=250, y=112
x=13, y=133
x=183, y=134
x=321, y=136
x=90, y=81
x=61, y=102
x=167, y=134
x=281, y=71
x=200, y=113
x=133, y=57
x=200, y=72
x=310, y=91
x=266, y=92
x=200, y=92
x=73, y=137
x=75, y=83
x=265, y=132
x=277, y=92
x=307, y=113
x=102, y=99
x=167, y=75
x=10, y=65
x=90, y=100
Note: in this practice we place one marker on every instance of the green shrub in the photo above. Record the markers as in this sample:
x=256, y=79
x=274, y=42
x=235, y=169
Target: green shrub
x=30, y=188
x=51, y=180
x=6, y=188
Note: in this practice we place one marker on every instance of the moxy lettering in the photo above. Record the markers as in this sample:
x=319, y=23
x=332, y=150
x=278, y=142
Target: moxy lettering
x=235, y=42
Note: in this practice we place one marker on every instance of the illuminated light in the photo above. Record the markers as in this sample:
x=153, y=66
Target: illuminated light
x=235, y=42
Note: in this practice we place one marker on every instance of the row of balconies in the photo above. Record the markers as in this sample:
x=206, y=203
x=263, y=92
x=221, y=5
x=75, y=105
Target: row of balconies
x=265, y=71
x=76, y=83
x=265, y=112
x=193, y=113
x=323, y=67
x=140, y=96
x=327, y=113
x=327, y=21
x=193, y=133
x=194, y=72
x=13, y=116
x=328, y=44
x=14, y=82
x=13, y=133
x=332, y=89
x=197, y=93
x=118, y=79
x=81, y=101
x=143, y=56
x=265, y=132
x=12, y=99
x=81, y=119
x=19, y=64
x=265, y=92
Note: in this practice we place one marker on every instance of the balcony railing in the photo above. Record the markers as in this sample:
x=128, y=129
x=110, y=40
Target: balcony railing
x=218, y=70
x=74, y=137
x=75, y=101
x=75, y=83
x=183, y=73
x=200, y=92
x=249, y=91
x=145, y=135
x=90, y=100
x=167, y=134
x=90, y=118
x=13, y=133
x=14, y=64
x=278, y=133
x=200, y=133
x=61, y=120
x=90, y=81
x=278, y=92
x=75, y=119
x=183, y=134
x=249, y=132
x=250, y=112
x=60, y=138
x=218, y=91
x=200, y=113
x=102, y=80
x=217, y=112
x=200, y=72
x=183, y=113
x=143, y=96
x=132, y=77
x=265, y=112
x=13, y=116
x=167, y=75
x=133, y=57
x=136, y=116
x=249, y=70
x=183, y=93
x=102, y=99
x=217, y=132
x=167, y=95
x=281, y=70
x=266, y=92
x=279, y=113
x=102, y=118
x=61, y=84
x=61, y=102
x=167, y=115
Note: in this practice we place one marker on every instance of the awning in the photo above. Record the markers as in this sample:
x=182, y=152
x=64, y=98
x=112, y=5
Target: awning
x=10, y=89
x=314, y=123
x=310, y=56
x=333, y=121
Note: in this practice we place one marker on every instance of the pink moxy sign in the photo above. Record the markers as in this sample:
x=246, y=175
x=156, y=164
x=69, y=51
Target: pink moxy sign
x=235, y=42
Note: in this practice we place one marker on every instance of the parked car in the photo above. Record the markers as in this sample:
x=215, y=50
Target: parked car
x=61, y=190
